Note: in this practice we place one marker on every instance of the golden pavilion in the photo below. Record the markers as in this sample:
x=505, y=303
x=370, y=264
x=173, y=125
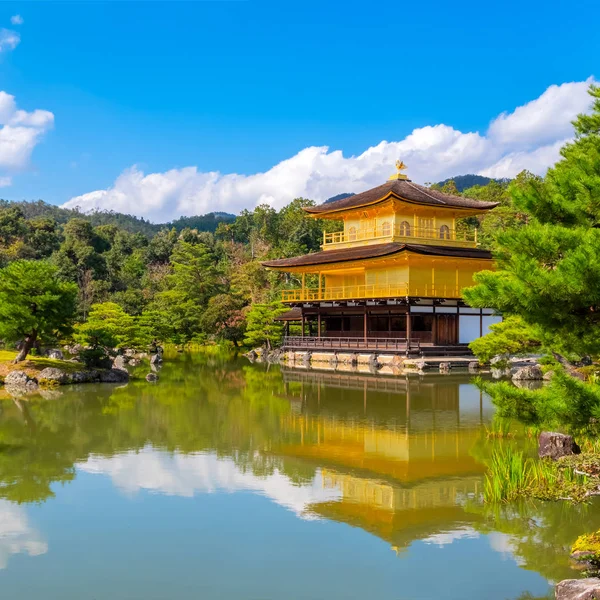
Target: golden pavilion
x=393, y=276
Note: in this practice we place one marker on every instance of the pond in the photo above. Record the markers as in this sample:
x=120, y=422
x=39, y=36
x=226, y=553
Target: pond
x=237, y=481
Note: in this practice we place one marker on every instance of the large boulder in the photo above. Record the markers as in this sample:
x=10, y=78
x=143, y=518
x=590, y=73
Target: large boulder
x=20, y=379
x=578, y=589
x=554, y=445
x=53, y=375
x=114, y=376
x=55, y=353
x=528, y=373
x=87, y=376
x=155, y=359
x=152, y=377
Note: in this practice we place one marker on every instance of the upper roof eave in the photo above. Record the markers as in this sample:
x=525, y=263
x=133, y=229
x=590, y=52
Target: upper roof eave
x=405, y=191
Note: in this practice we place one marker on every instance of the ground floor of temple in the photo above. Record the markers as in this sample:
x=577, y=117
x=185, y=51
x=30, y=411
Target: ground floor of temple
x=395, y=326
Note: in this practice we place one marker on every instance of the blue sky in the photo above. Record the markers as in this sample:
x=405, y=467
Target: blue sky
x=238, y=87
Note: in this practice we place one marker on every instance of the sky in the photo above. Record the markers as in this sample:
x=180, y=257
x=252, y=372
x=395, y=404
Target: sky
x=163, y=109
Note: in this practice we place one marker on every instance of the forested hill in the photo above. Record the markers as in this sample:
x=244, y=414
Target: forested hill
x=130, y=223
x=463, y=182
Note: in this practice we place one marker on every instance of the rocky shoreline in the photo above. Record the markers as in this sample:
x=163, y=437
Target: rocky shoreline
x=32, y=375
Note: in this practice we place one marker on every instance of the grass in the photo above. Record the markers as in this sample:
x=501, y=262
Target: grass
x=33, y=365
x=511, y=475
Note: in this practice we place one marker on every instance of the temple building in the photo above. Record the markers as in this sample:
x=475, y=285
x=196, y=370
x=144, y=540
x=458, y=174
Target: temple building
x=393, y=276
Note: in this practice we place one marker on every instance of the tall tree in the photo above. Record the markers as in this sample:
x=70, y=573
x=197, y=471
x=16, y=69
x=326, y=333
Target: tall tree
x=549, y=272
x=34, y=304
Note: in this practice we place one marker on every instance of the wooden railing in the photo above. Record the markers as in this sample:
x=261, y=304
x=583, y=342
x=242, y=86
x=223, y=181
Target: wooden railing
x=441, y=235
x=351, y=343
x=356, y=292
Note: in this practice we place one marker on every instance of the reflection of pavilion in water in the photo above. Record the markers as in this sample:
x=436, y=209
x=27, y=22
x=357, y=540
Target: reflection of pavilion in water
x=397, y=450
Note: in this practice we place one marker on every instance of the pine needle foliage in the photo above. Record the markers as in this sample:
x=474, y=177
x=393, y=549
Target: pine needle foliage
x=549, y=270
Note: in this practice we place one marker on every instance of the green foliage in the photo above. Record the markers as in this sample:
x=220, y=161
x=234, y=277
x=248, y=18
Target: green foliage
x=511, y=336
x=549, y=271
x=34, y=303
x=110, y=326
x=262, y=329
x=565, y=402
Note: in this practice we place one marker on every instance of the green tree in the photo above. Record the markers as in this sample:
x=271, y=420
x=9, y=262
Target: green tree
x=224, y=318
x=193, y=281
x=511, y=336
x=261, y=327
x=549, y=271
x=34, y=304
x=108, y=325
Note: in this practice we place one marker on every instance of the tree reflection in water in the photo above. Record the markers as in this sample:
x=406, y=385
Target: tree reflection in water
x=398, y=457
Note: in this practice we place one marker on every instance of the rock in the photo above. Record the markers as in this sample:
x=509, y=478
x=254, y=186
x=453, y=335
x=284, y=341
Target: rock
x=75, y=349
x=53, y=375
x=556, y=445
x=530, y=372
x=548, y=375
x=50, y=394
x=473, y=366
x=134, y=362
x=155, y=359
x=274, y=357
x=20, y=379
x=444, y=367
x=129, y=352
x=374, y=364
x=120, y=362
x=85, y=376
x=421, y=365
x=528, y=384
x=501, y=358
x=152, y=377
x=114, y=376
x=578, y=589
x=55, y=353
x=499, y=373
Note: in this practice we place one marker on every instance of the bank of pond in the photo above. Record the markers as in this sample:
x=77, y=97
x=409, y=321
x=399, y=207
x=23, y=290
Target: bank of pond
x=365, y=483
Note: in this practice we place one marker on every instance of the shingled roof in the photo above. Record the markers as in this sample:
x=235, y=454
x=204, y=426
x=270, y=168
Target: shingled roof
x=406, y=190
x=374, y=251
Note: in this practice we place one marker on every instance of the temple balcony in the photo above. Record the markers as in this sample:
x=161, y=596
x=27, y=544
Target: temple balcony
x=363, y=292
x=403, y=233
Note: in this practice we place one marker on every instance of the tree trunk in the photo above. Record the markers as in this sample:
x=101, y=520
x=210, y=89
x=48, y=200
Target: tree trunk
x=28, y=344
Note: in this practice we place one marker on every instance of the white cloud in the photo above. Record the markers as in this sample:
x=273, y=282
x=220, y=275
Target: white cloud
x=449, y=537
x=9, y=40
x=188, y=474
x=543, y=120
x=20, y=133
x=527, y=138
x=16, y=535
x=16, y=20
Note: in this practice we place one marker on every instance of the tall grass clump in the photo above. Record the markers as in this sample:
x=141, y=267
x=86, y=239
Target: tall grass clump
x=511, y=476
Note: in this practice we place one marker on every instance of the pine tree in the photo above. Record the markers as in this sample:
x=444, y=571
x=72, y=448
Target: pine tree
x=549, y=270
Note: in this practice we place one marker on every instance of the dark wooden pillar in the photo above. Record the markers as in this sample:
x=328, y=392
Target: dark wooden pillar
x=434, y=333
x=319, y=321
x=457, y=324
x=303, y=324
x=408, y=326
x=480, y=322
x=365, y=324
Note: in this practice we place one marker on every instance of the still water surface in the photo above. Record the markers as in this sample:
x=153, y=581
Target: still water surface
x=233, y=481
